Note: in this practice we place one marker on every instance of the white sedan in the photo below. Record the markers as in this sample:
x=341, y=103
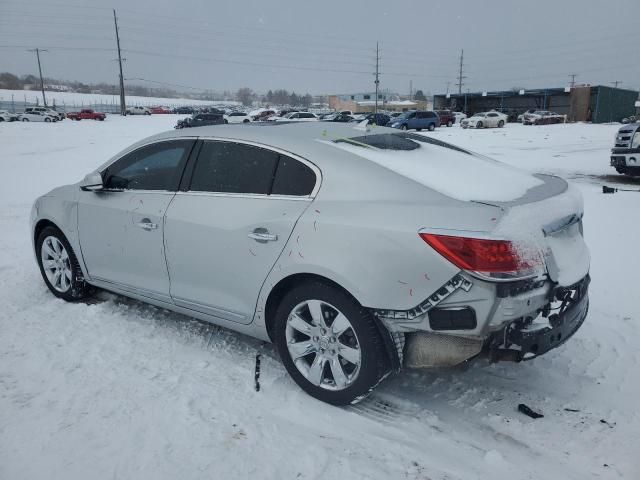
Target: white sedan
x=37, y=117
x=297, y=117
x=484, y=120
x=237, y=117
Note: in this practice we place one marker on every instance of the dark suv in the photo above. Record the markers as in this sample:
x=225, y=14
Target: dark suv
x=416, y=119
x=200, y=120
x=446, y=117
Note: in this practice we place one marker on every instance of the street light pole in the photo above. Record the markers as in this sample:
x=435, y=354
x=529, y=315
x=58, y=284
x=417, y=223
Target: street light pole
x=37, y=50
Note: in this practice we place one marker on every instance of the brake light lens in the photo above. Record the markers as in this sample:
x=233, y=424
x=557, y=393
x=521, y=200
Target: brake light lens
x=498, y=259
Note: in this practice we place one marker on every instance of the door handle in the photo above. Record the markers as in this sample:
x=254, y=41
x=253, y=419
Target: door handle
x=146, y=224
x=262, y=235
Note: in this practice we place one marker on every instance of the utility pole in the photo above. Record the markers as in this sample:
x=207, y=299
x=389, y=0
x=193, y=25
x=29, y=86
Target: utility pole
x=377, y=82
x=410, y=89
x=460, y=76
x=123, y=107
x=448, y=83
x=615, y=83
x=573, y=79
x=37, y=50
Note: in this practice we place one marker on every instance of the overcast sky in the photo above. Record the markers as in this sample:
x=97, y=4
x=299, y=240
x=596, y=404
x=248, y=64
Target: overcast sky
x=328, y=46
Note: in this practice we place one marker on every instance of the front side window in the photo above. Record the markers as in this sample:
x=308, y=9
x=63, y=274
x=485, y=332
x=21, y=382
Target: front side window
x=153, y=167
x=635, y=143
x=227, y=167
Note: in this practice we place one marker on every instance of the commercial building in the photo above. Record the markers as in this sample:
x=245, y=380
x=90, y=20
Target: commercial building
x=365, y=102
x=598, y=103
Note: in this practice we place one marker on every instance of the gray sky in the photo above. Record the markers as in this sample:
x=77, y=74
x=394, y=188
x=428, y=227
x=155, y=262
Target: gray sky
x=328, y=46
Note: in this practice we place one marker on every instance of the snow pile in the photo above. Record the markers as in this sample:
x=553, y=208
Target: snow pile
x=451, y=172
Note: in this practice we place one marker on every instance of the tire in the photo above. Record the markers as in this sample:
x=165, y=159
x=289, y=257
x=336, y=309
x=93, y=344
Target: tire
x=147, y=113
x=226, y=122
x=101, y=119
x=1, y=119
x=404, y=127
x=501, y=124
x=71, y=286
x=432, y=127
x=245, y=121
x=479, y=125
x=359, y=339
x=25, y=119
x=418, y=129
x=48, y=120
x=449, y=123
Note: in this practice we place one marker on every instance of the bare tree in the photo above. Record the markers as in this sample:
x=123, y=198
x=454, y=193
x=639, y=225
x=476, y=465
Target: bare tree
x=245, y=95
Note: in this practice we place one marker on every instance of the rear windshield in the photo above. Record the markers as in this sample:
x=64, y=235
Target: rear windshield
x=396, y=141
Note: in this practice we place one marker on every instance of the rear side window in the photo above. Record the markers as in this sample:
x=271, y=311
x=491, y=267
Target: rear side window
x=293, y=178
x=153, y=167
x=228, y=167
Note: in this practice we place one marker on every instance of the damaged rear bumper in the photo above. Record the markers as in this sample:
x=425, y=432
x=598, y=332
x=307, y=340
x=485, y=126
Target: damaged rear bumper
x=525, y=340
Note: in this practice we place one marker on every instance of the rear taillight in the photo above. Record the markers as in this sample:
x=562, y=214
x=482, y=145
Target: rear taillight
x=498, y=259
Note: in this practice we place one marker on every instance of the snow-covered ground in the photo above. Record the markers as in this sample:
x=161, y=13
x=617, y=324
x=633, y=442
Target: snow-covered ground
x=71, y=98
x=120, y=389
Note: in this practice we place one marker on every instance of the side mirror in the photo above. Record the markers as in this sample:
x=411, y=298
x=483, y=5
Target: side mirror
x=92, y=183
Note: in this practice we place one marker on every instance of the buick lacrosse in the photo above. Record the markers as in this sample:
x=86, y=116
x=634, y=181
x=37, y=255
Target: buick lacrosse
x=357, y=251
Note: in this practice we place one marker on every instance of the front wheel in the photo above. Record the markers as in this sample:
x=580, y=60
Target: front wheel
x=59, y=266
x=48, y=120
x=449, y=123
x=25, y=119
x=404, y=127
x=432, y=127
x=479, y=125
x=329, y=343
x=501, y=124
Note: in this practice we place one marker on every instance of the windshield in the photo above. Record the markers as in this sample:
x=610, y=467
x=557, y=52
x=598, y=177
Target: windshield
x=480, y=115
x=405, y=115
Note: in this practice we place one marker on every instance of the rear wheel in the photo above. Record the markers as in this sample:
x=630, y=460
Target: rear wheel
x=329, y=343
x=25, y=119
x=432, y=127
x=48, y=120
x=245, y=121
x=59, y=266
x=449, y=123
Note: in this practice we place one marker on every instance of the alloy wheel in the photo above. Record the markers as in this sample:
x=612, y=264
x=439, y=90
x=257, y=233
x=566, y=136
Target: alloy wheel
x=56, y=264
x=323, y=345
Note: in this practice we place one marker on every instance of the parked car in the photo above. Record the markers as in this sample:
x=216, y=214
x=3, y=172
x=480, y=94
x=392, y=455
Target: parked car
x=184, y=110
x=138, y=111
x=446, y=117
x=416, y=119
x=542, y=117
x=37, y=116
x=237, y=117
x=459, y=116
x=337, y=117
x=297, y=117
x=374, y=118
x=435, y=277
x=485, y=120
x=625, y=155
x=630, y=119
x=200, y=120
x=263, y=115
x=6, y=116
x=160, y=110
x=86, y=114
x=46, y=111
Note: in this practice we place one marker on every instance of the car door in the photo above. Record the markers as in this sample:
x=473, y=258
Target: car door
x=412, y=121
x=492, y=119
x=121, y=227
x=226, y=229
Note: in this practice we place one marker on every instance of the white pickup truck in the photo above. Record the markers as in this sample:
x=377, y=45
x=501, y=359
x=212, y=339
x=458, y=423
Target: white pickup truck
x=625, y=155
